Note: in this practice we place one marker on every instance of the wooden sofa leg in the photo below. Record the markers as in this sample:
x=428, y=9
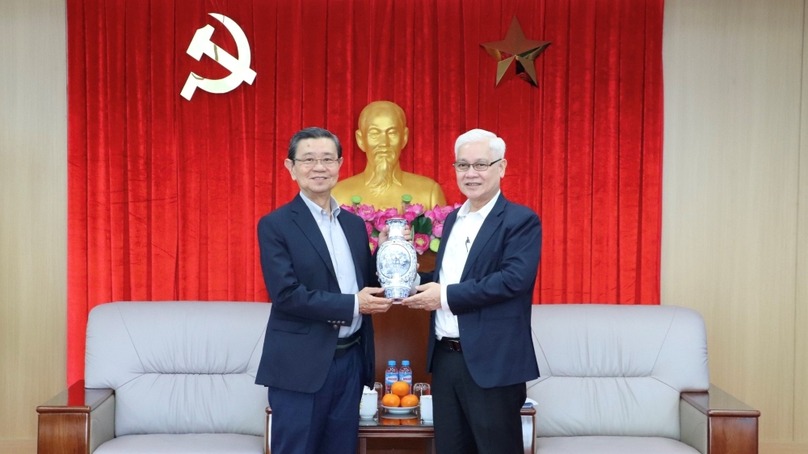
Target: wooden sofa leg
x=64, y=433
x=733, y=435
x=732, y=426
x=64, y=422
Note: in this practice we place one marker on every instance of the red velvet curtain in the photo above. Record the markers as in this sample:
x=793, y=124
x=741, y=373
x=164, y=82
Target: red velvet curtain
x=165, y=193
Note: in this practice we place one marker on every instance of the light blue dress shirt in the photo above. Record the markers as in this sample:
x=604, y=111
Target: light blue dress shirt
x=341, y=257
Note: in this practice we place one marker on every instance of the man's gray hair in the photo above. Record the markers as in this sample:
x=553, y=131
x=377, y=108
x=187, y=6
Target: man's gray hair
x=495, y=144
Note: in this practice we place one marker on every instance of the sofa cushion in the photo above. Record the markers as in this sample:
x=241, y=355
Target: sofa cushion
x=611, y=445
x=179, y=367
x=184, y=444
x=615, y=370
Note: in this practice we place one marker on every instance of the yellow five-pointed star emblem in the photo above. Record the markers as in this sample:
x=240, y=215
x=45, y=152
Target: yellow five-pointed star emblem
x=515, y=47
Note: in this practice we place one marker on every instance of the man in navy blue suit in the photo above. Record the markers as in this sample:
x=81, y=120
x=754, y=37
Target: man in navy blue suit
x=318, y=351
x=480, y=346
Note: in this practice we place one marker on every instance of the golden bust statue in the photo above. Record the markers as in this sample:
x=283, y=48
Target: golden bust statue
x=382, y=134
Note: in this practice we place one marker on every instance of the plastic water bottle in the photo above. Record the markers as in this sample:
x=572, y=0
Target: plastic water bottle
x=390, y=376
x=405, y=372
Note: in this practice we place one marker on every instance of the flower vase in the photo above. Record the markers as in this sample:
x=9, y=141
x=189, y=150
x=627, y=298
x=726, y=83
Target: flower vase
x=396, y=262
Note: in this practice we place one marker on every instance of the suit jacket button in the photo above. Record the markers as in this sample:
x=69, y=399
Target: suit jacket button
x=335, y=326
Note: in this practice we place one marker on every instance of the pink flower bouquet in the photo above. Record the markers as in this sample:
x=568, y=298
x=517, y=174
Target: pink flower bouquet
x=426, y=225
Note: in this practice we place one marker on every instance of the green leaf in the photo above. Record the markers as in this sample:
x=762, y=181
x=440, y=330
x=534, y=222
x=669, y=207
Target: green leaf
x=422, y=224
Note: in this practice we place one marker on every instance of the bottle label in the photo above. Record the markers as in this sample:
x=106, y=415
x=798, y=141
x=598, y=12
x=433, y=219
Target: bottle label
x=389, y=379
x=406, y=377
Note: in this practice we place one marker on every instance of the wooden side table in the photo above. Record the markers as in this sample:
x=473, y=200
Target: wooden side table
x=426, y=432
x=373, y=428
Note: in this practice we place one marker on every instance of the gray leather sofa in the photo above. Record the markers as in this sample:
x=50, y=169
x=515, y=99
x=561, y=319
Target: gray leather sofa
x=178, y=377
x=631, y=379
x=164, y=377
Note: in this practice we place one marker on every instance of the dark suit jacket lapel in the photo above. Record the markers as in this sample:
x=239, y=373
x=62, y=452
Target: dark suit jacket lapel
x=301, y=215
x=357, y=240
x=490, y=225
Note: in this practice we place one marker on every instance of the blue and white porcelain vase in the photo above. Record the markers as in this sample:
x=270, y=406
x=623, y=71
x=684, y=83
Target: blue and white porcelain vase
x=396, y=262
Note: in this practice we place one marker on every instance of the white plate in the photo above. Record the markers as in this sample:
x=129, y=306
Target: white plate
x=399, y=410
x=410, y=415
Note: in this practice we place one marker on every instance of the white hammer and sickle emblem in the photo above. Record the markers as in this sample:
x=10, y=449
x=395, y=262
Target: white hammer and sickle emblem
x=239, y=67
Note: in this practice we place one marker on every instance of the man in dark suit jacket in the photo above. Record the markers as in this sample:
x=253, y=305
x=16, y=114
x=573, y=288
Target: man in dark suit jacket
x=318, y=350
x=480, y=346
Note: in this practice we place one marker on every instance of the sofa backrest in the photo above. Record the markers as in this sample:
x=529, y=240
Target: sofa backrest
x=615, y=370
x=179, y=366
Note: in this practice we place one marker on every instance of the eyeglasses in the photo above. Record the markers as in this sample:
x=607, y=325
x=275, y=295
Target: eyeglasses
x=477, y=166
x=311, y=162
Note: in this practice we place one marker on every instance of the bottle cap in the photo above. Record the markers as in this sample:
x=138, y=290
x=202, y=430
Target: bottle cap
x=391, y=363
x=406, y=198
x=406, y=362
x=356, y=200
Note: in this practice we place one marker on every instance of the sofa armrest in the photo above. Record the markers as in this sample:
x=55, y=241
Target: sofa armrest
x=692, y=427
x=76, y=421
x=714, y=422
x=528, y=429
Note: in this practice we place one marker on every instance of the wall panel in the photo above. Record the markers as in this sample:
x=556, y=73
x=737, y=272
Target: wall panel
x=801, y=313
x=732, y=129
x=33, y=210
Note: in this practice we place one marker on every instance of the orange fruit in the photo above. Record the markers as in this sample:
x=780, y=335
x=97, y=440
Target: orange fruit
x=410, y=400
x=391, y=400
x=409, y=422
x=400, y=388
x=391, y=422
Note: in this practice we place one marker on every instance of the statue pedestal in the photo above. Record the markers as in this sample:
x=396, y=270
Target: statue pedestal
x=427, y=261
x=402, y=333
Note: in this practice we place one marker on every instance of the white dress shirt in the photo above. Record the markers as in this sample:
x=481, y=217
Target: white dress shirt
x=458, y=245
x=341, y=257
